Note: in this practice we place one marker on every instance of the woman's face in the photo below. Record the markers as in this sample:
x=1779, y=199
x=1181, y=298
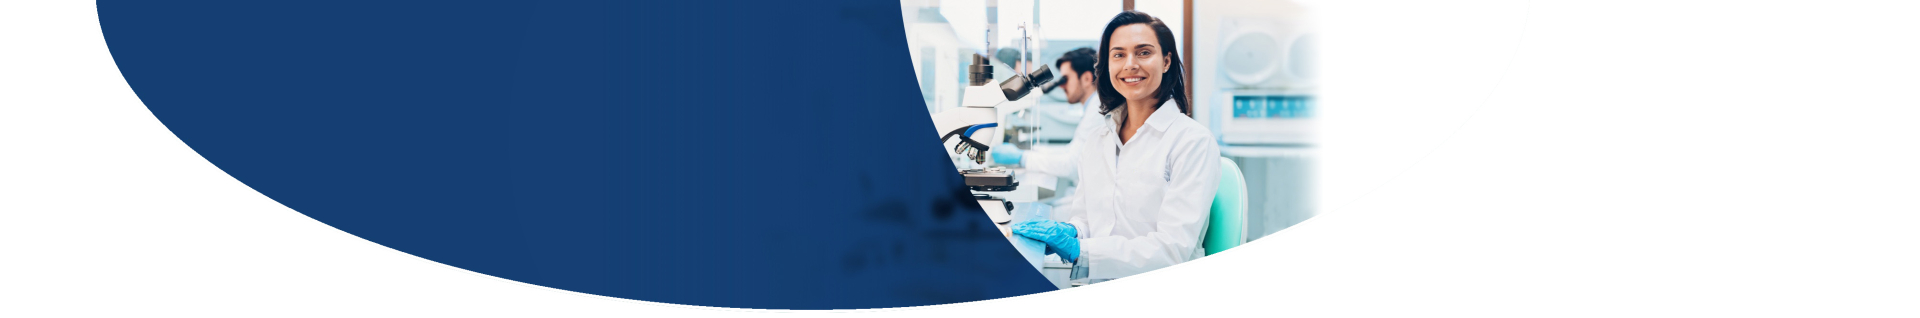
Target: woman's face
x=1135, y=61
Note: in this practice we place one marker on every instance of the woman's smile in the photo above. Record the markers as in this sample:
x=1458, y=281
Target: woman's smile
x=1137, y=62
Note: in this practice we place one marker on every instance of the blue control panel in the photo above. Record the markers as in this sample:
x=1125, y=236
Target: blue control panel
x=1273, y=106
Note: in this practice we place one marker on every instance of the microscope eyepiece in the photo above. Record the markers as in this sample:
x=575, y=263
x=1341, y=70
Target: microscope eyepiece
x=1018, y=86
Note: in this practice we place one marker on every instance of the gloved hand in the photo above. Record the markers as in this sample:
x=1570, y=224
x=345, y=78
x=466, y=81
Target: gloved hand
x=1060, y=237
x=1006, y=154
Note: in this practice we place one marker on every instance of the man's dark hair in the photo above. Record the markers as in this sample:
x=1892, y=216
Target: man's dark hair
x=1081, y=58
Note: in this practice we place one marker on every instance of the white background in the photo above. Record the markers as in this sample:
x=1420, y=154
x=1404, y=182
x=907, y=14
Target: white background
x=1500, y=158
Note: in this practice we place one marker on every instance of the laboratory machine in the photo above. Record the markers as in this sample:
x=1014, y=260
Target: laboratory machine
x=1254, y=75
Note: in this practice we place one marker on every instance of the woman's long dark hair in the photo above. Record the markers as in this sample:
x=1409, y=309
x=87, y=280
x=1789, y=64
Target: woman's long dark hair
x=1173, y=84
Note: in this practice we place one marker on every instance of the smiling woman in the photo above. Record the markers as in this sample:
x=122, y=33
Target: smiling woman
x=1141, y=65
x=1134, y=165
x=1148, y=172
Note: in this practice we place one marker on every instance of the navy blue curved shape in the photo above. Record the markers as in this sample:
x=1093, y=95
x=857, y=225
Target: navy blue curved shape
x=772, y=154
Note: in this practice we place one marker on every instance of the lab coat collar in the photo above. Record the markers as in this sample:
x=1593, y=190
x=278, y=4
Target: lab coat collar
x=1163, y=117
x=1160, y=120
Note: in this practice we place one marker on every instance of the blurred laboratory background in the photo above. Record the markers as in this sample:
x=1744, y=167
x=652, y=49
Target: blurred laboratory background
x=1251, y=63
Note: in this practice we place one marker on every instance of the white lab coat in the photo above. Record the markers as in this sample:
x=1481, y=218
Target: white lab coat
x=1143, y=204
x=1066, y=164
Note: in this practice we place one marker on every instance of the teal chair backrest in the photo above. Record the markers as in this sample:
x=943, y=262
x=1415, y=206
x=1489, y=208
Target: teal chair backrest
x=1227, y=220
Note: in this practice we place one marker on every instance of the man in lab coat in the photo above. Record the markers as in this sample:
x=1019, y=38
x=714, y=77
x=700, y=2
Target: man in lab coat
x=1077, y=81
x=1076, y=78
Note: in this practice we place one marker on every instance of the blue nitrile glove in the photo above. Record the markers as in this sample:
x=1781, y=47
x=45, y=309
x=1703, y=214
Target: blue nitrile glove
x=1063, y=256
x=1060, y=237
x=1006, y=154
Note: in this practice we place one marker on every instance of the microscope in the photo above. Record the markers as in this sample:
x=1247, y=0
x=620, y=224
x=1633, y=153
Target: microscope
x=975, y=126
